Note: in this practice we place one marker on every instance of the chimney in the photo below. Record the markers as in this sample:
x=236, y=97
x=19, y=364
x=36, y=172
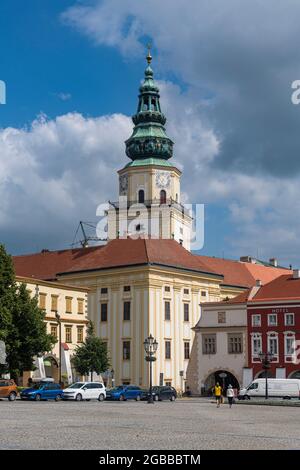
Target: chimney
x=296, y=273
x=273, y=262
x=258, y=283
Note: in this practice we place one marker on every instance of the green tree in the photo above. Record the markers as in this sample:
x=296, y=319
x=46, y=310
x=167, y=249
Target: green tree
x=92, y=355
x=7, y=292
x=22, y=325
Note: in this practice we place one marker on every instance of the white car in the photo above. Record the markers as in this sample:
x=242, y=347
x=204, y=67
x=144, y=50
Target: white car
x=85, y=391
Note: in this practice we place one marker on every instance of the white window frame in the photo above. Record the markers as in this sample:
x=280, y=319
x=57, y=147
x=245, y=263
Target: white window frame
x=272, y=315
x=255, y=356
x=257, y=316
x=273, y=335
x=285, y=317
x=289, y=335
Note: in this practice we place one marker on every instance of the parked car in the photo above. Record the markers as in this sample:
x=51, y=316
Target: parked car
x=280, y=388
x=162, y=393
x=85, y=391
x=8, y=389
x=42, y=391
x=124, y=392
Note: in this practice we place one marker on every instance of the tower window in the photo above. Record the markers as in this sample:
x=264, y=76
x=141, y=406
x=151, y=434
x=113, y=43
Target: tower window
x=163, y=197
x=141, y=196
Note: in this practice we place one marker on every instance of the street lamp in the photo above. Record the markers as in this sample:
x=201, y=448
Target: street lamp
x=266, y=359
x=150, y=346
x=112, y=373
x=59, y=343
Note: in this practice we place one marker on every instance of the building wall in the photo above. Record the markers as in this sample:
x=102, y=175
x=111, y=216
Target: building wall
x=282, y=366
x=147, y=296
x=157, y=221
x=73, y=319
x=202, y=365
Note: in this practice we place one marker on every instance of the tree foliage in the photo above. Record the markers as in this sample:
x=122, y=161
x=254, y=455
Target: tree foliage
x=92, y=355
x=22, y=325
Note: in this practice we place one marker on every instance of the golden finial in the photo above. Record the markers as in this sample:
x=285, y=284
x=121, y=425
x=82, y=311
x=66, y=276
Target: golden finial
x=149, y=56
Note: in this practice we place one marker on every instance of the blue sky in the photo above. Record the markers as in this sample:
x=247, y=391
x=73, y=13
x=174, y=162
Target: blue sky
x=72, y=71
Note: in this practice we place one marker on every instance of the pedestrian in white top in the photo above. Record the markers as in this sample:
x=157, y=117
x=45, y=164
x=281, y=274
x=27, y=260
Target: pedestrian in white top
x=230, y=395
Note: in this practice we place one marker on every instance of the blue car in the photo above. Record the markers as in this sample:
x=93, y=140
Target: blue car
x=124, y=392
x=42, y=391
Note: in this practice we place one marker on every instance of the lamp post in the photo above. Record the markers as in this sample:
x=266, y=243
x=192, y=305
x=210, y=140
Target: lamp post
x=112, y=372
x=266, y=359
x=59, y=342
x=150, y=346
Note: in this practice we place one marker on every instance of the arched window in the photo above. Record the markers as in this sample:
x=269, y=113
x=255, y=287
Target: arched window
x=141, y=196
x=163, y=197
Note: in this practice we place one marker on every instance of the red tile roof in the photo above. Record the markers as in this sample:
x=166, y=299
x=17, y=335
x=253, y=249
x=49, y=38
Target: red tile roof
x=119, y=252
x=238, y=273
x=128, y=252
x=283, y=288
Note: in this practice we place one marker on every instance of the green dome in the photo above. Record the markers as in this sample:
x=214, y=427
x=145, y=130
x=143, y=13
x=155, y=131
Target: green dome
x=149, y=138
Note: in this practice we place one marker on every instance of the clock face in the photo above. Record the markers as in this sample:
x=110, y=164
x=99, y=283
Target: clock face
x=123, y=183
x=163, y=179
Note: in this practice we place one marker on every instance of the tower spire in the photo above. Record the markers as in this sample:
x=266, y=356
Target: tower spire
x=149, y=56
x=149, y=138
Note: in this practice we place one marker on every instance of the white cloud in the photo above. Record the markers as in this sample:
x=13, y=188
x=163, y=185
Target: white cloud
x=56, y=173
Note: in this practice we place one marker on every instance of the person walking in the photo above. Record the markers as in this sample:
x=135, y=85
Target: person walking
x=218, y=394
x=230, y=395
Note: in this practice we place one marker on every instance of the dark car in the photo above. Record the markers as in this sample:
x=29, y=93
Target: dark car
x=124, y=392
x=42, y=391
x=162, y=393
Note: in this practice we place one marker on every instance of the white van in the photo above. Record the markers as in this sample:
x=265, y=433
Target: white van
x=281, y=388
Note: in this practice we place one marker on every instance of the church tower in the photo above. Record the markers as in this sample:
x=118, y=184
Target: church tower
x=149, y=203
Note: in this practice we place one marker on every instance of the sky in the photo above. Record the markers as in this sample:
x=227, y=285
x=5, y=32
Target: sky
x=72, y=71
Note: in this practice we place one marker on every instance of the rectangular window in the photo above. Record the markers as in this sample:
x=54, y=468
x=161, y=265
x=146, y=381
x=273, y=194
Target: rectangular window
x=79, y=334
x=168, y=383
x=209, y=344
x=126, y=350
x=221, y=317
x=68, y=304
x=186, y=349
x=42, y=301
x=103, y=314
x=235, y=343
x=289, y=319
x=126, y=311
x=186, y=312
x=167, y=311
x=104, y=290
x=167, y=349
x=167, y=289
x=80, y=306
x=273, y=345
x=256, y=345
x=186, y=291
x=256, y=320
x=272, y=319
x=54, y=303
x=53, y=331
x=289, y=345
x=203, y=293
x=127, y=288
x=68, y=334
